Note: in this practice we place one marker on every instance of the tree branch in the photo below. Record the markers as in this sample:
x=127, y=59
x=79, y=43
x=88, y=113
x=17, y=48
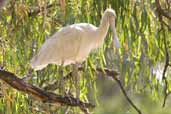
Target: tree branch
x=41, y=95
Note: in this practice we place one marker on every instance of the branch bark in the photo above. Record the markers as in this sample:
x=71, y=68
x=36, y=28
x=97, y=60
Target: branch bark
x=39, y=94
x=44, y=96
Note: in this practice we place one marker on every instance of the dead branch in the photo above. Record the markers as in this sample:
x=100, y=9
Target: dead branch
x=39, y=94
x=49, y=97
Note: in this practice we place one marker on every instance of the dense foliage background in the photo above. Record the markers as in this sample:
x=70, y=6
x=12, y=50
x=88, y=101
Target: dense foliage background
x=144, y=30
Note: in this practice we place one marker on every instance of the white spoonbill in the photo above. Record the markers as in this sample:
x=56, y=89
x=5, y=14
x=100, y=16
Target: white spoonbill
x=72, y=44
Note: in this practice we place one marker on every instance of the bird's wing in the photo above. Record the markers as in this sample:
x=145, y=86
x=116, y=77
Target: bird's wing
x=63, y=46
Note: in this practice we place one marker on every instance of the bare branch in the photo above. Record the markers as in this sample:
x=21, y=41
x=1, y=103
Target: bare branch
x=39, y=94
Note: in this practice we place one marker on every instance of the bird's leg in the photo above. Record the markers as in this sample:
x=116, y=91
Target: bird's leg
x=28, y=76
x=77, y=80
x=62, y=85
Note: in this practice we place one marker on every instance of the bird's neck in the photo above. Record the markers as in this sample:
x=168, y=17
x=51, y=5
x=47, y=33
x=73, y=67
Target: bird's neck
x=103, y=28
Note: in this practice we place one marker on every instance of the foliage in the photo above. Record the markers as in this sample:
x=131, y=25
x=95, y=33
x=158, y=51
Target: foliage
x=26, y=24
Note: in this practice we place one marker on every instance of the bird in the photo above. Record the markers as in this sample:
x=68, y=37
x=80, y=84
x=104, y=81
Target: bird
x=72, y=44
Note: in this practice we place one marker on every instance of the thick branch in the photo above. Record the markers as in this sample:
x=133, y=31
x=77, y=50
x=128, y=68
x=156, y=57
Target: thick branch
x=39, y=94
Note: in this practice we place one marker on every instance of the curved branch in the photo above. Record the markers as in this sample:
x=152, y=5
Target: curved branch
x=39, y=94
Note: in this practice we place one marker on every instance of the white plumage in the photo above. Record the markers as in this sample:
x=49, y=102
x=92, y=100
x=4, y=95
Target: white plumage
x=73, y=43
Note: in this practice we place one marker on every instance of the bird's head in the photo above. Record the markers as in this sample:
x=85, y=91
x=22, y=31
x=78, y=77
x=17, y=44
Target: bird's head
x=111, y=15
